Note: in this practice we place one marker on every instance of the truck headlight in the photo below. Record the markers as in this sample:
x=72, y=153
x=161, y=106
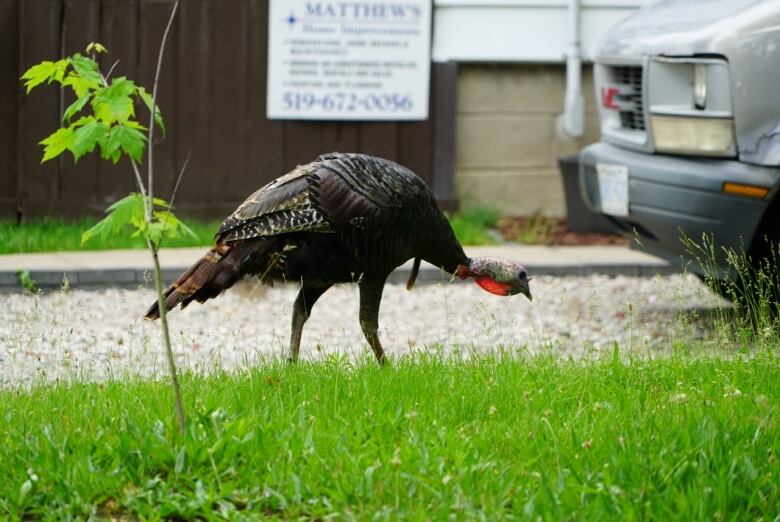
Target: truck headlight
x=697, y=136
x=689, y=105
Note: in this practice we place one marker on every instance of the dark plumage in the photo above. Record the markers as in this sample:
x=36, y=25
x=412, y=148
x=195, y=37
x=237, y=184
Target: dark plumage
x=341, y=218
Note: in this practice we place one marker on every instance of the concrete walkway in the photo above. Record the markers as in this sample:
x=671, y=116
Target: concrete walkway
x=130, y=267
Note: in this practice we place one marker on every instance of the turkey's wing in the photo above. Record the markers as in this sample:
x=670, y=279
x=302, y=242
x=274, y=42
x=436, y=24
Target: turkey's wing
x=280, y=207
x=337, y=191
x=362, y=191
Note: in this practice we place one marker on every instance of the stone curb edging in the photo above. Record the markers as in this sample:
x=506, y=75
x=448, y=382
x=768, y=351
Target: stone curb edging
x=130, y=278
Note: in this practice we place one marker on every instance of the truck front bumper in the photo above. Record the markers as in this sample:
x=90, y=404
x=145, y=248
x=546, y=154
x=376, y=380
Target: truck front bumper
x=671, y=197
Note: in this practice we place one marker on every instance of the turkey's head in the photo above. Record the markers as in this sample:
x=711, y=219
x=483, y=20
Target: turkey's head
x=497, y=276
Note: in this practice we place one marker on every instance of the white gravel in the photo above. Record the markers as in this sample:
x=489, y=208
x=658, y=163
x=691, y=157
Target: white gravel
x=100, y=334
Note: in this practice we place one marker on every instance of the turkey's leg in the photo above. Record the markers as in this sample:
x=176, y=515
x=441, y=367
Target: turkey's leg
x=370, y=298
x=307, y=296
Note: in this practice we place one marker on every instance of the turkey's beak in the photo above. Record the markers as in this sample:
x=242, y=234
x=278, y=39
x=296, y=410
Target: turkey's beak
x=525, y=289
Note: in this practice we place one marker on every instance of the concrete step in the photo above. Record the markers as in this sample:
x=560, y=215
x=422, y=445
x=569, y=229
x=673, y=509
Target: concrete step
x=129, y=268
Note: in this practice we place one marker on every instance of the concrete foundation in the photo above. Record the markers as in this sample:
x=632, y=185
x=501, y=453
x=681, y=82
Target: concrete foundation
x=507, y=143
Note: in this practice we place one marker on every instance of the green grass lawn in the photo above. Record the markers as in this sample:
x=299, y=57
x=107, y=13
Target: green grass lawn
x=53, y=235
x=673, y=438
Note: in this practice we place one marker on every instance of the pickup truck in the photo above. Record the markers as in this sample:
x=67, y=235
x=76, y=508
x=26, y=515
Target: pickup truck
x=689, y=107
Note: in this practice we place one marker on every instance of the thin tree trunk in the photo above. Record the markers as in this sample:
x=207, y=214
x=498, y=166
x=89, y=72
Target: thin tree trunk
x=158, y=283
x=152, y=247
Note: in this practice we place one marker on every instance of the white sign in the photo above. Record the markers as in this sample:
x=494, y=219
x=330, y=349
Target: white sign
x=349, y=60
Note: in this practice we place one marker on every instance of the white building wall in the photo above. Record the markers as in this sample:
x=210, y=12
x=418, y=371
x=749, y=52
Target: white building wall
x=519, y=30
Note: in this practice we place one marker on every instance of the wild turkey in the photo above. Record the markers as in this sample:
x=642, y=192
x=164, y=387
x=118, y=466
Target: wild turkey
x=341, y=218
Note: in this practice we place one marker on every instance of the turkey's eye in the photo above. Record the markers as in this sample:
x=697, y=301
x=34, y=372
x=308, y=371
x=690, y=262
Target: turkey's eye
x=523, y=274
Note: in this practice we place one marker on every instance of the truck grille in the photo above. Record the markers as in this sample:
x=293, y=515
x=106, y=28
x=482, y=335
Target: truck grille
x=628, y=80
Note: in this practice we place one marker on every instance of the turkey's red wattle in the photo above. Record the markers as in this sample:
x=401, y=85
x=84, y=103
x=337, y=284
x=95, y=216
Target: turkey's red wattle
x=493, y=286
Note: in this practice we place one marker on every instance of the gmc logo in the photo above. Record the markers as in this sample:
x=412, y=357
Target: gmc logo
x=608, y=97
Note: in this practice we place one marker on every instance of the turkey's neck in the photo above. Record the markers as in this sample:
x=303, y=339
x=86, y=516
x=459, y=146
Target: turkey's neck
x=450, y=260
x=444, y=250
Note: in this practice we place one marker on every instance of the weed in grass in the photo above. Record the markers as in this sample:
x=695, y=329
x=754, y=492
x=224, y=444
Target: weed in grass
x=26, y=281
x=536, y=229
x=751, y=285
x=432, y=437
x=472, y=225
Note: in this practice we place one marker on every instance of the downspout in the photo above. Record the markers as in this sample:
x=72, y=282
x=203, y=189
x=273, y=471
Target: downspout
x=574, y=105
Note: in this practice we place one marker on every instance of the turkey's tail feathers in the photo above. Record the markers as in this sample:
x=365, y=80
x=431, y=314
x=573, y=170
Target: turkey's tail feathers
x=214, y=272
x=413, y=273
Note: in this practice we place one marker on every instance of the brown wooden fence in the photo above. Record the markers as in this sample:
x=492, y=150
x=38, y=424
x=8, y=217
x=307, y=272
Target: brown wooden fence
x=212, y=93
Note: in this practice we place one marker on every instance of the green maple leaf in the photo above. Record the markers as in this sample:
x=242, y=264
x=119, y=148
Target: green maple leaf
x=147, y=99
x=127, y=211
x=60, y=141
x=44, y=72
x=123, y=138
x=110, y=146
x=96, y=47
x=82, y=121
x=87, y=136
x=154, y=231
x=86, y=67
x=75, y=107
x=80, y=85
x=114, y=103
x=166, y=224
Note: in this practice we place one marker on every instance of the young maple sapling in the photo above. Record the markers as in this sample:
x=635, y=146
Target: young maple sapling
x=104, y=117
